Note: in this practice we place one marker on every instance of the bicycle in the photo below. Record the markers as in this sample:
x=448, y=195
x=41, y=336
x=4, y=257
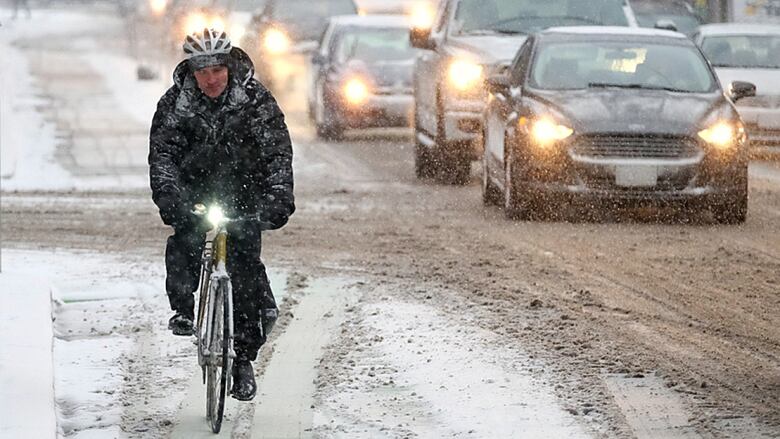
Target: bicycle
x=214, y=330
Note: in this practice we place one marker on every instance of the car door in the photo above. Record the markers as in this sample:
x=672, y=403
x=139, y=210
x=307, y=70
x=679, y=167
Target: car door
x=318, y=69
x=426, y=72
x=505, y=110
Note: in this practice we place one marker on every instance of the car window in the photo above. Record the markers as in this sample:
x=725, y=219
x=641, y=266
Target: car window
x=520, y=64
x=561, y=66
x=390, y=44
x=286, y=10
x=526, y=16
x=743, y=51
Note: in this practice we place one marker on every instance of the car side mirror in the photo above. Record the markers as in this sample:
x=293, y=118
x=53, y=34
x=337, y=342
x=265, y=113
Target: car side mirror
x=666, y=25
x=317, y=59
x=498, y=85
x=421, y=38
x=741, y=89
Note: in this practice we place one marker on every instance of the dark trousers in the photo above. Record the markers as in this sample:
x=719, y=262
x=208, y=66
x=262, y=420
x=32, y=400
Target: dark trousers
x=253, y=301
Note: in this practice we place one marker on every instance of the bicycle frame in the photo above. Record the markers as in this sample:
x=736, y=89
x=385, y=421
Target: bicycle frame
x=214, y=272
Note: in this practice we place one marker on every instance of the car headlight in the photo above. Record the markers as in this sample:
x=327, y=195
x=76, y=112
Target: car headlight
x=545, y=131
x=237, y=32
x=465, y=75
x=356, y=91
x=422, y=15
x=217, y=23
x=216, y=216
x=158, y=7
x=723, y=134
x=276, y=41
x=195, y=22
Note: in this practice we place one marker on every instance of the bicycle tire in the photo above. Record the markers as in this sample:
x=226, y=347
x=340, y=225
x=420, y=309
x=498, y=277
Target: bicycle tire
x=218, y=365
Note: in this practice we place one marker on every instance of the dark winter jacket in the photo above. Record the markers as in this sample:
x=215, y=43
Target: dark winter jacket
x=234, y=150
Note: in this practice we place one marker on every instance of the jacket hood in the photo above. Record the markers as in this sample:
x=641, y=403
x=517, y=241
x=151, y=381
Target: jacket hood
x=241, y=68
x=620, y=111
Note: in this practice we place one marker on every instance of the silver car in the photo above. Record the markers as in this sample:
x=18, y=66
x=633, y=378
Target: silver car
x=749, y=52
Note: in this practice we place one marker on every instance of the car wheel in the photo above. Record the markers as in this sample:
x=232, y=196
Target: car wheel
x=326, y=123
x=517, y=202
x=423, y=167
x=733, y=210
x=490, y=194
x=452, y=159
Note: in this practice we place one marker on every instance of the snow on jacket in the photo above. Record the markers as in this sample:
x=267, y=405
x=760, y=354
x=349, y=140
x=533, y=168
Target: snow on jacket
x=234, y=150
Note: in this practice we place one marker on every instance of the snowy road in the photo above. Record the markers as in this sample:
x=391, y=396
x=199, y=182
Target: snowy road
x=410, y=309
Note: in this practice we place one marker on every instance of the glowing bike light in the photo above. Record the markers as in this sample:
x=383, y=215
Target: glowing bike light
x=216, y=216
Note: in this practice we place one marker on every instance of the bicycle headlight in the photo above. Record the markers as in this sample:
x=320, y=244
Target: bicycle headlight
x=216, y=216
x=723, y=134
x=545, y=131
x=276, y=41
x=464, y=75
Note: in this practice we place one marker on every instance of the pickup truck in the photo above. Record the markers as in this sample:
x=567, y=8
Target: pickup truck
x=469, y=41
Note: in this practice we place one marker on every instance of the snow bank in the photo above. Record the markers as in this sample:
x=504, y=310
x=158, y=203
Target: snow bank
x=26, y=366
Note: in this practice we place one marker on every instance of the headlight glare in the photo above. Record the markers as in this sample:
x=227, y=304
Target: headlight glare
x=158, y=7
x=465, y=75
x=723, y=134
x=216, y=216
x=195, y=22
x=356, y=91
x=276, y=41
x=421, y=15
x=545, y=131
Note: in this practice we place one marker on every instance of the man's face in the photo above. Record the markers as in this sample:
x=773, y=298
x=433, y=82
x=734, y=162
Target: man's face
x=213, y=80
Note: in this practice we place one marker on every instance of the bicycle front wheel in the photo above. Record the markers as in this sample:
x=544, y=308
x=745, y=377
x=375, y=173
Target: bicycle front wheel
x=219, y=361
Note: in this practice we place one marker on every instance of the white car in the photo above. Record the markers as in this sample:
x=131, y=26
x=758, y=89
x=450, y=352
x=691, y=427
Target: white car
x=749, y=52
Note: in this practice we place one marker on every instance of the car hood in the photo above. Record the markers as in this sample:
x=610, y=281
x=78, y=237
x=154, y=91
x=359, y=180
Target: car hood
x=645, y=111
x=383, y=73
x=305, y=28
x=765, y=80
x=490, y=49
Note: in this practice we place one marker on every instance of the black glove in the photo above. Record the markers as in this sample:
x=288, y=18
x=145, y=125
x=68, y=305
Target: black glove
x=169, y=209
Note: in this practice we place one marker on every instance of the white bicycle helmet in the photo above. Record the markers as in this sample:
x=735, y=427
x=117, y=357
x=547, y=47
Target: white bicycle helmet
x=209, y=43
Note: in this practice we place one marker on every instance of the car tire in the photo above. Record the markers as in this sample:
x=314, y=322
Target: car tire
x=490, y=194
x=329, y=128
x=452, y=160
x=423, y=166
x=733, y=210
x=518, y=204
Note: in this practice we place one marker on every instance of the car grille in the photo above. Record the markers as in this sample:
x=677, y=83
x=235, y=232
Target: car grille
x=763, y=136
x=634, y=146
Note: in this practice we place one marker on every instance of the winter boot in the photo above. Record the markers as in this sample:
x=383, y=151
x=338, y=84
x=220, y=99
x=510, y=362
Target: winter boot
x=181, y=324
x=244, y=386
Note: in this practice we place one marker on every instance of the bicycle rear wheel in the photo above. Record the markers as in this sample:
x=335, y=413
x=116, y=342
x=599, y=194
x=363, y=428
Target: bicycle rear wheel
x=219, y=361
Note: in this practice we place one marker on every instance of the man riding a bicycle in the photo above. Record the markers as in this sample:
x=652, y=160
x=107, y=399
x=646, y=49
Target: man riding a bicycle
x=219, y=136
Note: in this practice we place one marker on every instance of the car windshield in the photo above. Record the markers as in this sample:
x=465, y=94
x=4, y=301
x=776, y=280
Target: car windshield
x=564, y=66
x=743, y=51
x=380, y=44
x=526, y=16
x=287, y=10
x=648, y=13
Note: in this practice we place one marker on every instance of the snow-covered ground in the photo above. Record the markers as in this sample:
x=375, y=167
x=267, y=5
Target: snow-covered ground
x=29, y=140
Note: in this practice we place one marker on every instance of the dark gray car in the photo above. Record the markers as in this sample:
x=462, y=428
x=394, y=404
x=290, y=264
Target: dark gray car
x=362, y=75
x=282, y=27
x=617, y=114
